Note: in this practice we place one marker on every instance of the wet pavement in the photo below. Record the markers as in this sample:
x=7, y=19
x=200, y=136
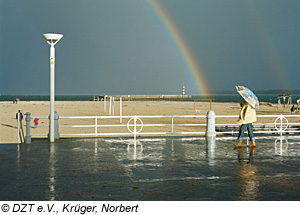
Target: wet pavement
x=153, y=169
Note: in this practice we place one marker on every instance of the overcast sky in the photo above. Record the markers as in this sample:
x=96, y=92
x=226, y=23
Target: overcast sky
x=122, y=47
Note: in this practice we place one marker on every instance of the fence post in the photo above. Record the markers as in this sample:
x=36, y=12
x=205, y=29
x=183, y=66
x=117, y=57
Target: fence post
x=113, y=108
x=172, y=124
x=105, y=103
x=96, y=125
x=18, y=118
x=56, y=126
x=28, y=137
x=210, y=127
x=281, y=125
x=110, y=105
x=120, y=109
x=134, y=130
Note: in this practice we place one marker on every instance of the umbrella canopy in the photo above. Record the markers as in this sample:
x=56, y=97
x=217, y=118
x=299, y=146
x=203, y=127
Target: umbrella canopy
x=249, y=96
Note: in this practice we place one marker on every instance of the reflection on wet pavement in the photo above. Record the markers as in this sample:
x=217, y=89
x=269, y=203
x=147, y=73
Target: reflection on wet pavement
x=247, y=172
x=151, y=169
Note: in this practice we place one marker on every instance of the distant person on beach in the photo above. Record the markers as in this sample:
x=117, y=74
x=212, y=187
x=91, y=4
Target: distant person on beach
x=246, y=118
x=21, y=115
x=293, y=110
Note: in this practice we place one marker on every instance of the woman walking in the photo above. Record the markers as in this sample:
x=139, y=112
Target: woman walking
x=246, y=118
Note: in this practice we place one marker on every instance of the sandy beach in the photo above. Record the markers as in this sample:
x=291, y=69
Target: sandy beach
x=8, y=110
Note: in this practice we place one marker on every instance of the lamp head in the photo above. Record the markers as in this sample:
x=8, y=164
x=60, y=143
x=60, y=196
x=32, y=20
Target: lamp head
x=53, y=38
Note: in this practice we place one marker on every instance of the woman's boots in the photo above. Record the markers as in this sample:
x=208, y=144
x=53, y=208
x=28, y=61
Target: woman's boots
x=253, y=144
x=240, y=144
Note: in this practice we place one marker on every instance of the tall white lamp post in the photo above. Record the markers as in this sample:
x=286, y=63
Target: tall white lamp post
x=52, y=39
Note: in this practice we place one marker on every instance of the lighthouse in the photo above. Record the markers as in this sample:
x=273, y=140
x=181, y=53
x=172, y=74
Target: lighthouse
x=183, y=90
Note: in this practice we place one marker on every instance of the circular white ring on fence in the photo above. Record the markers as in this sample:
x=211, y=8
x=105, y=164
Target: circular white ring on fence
x=128, y=124
x=282, y=127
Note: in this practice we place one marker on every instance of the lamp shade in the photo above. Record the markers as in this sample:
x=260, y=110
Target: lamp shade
x=52, y=37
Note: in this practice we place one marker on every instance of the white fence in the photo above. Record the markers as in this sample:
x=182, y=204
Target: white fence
x=280, y=124
x=136, y=125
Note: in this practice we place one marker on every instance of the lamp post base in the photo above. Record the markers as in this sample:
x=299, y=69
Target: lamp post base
x=56, y=131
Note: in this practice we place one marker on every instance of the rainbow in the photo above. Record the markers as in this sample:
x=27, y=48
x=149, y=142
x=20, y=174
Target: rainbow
x=182, y=47
x=268, y=45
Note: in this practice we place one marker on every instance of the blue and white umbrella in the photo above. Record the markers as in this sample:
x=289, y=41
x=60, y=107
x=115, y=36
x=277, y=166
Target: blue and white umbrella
x=248, y=96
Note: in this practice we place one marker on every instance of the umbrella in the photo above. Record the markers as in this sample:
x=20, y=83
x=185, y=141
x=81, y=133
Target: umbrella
x=249, y=96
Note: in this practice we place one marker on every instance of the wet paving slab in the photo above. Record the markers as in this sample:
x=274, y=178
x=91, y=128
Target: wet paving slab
x=151, y=169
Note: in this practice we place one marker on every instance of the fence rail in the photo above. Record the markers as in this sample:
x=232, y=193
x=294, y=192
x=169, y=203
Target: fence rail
x=135, y=125
x=137, y=122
